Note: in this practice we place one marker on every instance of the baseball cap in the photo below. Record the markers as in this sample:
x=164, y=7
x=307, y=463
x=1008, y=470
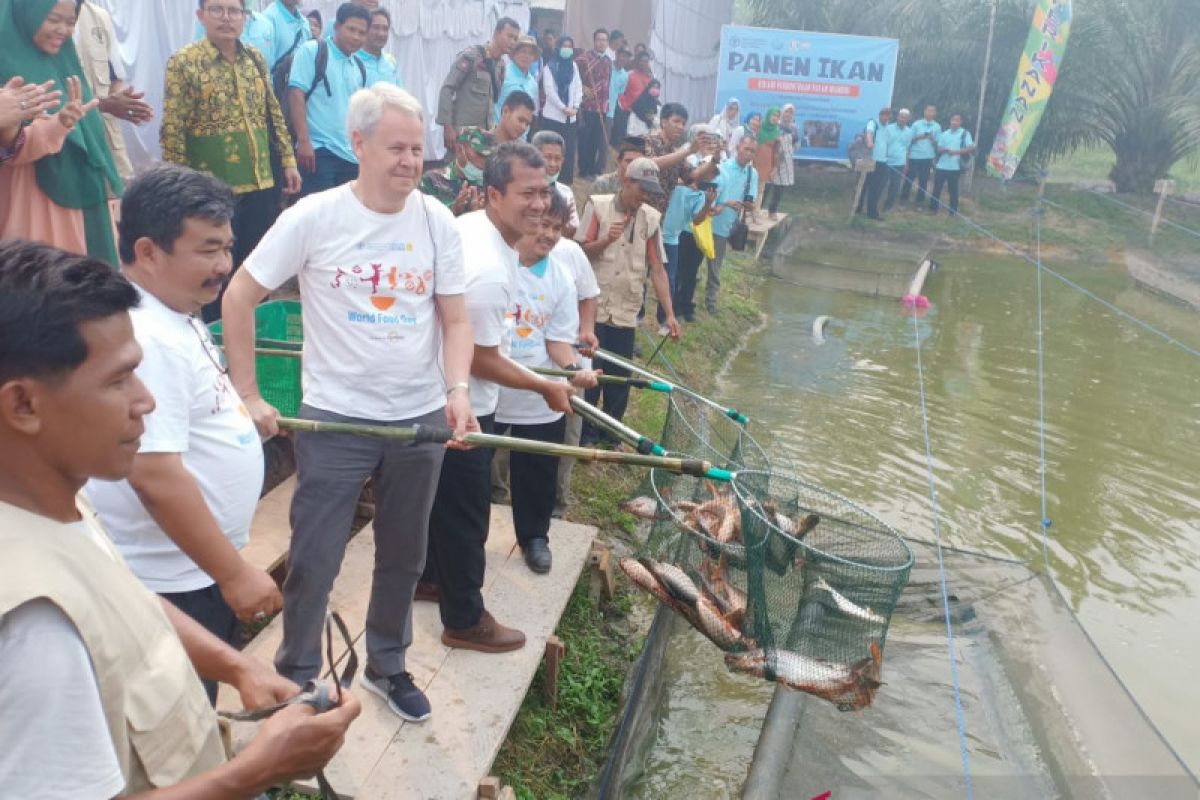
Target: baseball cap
x=645, y=172
x=481, y=141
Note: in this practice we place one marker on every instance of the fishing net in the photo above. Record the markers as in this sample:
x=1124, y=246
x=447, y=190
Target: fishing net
x=795, y=583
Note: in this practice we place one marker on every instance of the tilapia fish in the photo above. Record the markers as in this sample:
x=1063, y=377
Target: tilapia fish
x=719, y=629
x=850, y=687
x=674, y=580
x=804, y=527
x=847, y=606
x=642, y=507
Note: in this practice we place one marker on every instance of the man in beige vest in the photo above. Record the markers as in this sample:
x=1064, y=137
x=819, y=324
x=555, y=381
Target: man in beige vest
x=622, y=237
x=96, y=41
x=100, y=686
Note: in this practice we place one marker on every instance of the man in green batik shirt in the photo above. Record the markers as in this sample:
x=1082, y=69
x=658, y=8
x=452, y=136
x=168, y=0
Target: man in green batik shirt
x=460, y=185
x=218, y=115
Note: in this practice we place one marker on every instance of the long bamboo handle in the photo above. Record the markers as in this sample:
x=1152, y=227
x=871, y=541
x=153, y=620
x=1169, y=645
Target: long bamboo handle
x=617, y=360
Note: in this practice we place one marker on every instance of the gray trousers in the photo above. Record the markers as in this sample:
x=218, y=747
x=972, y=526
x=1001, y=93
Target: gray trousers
x=331, y=471
x=714, y=272
x=567, y=465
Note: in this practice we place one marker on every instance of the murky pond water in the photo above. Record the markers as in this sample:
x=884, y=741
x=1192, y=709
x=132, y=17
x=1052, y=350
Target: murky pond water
x=1123, y=477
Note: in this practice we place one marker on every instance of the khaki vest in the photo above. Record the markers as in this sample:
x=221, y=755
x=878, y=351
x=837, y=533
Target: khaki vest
x=93, y=42
x=162, y=726
x=621, y=268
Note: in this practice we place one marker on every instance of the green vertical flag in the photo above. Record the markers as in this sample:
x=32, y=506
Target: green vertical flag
x=1036, y=77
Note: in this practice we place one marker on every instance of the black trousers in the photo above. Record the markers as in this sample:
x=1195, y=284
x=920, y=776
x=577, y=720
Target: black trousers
x=948, y=178
x=458, y=531
x=570, y=132
x=532, y=479
x=620, y=124
x=918, y=173
x=209, y=608
x=771, y=197
x=253, y=215
x=615, y=398
x=895, y=177
x=593, y=147
x=690, y=259
x=873, y=188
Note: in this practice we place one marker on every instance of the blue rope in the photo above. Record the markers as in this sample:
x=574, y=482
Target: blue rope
x=1064, y=279
x=1145, y=213
x=1041, y=374
x=937, y=531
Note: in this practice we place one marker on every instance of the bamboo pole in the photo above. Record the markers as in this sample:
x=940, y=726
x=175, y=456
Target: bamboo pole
x=969, y=177
x=617, y=360
x=431, y=434
x=643, y=444
x=614, y=380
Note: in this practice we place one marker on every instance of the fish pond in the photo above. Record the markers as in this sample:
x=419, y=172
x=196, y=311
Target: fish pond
x=1122, y=488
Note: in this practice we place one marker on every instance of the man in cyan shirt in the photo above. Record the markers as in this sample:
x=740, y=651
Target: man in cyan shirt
x=318, y=102
x=289, y=28
x=899, y=139
x=954, y=143
x=381, y=65
x=737, y=186
x=877, y=139
x=921, y=154
x=380, y=271
x=184, y=512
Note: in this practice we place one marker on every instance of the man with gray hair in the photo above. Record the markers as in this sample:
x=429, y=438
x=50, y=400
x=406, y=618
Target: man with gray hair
x=381, y=276
x=900, y=135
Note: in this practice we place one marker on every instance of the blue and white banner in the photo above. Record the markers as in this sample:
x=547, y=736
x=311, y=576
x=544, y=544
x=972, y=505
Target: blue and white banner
x=835, y=82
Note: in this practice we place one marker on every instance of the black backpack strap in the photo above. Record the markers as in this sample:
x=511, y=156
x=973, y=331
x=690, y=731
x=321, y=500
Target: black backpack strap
x=362, y=69
x=319, y=69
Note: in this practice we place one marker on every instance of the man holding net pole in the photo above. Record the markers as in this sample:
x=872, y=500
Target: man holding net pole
x=518, y=194
x=381, y=278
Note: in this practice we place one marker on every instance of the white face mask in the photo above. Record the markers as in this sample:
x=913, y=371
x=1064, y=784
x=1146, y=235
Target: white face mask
x=472, y=173
x=554, y=177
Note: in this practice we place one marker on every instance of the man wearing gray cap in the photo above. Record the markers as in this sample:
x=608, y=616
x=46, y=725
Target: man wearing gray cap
x=622, y=237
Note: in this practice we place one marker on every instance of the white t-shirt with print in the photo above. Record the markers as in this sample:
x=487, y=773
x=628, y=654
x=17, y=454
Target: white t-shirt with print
x=546, y=310
x=568, y=253
x=199, y=415
x=491, y=286
x=367, y=281
x=49, y=684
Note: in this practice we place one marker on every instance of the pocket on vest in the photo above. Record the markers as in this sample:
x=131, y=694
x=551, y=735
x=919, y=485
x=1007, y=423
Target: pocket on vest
x=167, y=713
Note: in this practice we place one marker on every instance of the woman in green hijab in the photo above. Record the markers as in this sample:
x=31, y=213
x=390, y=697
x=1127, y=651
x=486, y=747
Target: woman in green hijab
x=767, y=154
x=57, y=189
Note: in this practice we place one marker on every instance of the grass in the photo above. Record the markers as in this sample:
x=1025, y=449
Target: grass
x=553, y=754
x=1094, y=164
x=1091, y=227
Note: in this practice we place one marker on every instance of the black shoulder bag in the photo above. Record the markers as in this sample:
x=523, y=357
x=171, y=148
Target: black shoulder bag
x=739, y=234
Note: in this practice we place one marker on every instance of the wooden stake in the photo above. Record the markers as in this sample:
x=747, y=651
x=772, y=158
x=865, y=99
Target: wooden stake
x=604, y=584
x=555, y=650
x=489, y=788
x=1163, y=188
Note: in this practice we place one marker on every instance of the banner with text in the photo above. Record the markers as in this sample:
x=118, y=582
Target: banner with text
x=835, y=82
x=1036, y=76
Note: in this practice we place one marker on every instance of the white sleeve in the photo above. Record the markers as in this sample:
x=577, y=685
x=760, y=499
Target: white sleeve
x=168, y=374
x=580, y=268
x=589, y=211
x=449, y=275
x=486, y=309
x=564, y=320
x=283, y=251
x=57, y=744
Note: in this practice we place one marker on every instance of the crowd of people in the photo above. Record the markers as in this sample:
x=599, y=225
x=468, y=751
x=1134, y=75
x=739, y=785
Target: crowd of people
x=906, y=153
x=130, y=445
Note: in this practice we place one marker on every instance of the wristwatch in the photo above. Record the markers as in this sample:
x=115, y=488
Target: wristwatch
x=573, y=367
x=466, y=387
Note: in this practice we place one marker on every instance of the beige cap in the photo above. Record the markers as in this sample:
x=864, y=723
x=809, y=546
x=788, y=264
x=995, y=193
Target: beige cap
x=645, y=172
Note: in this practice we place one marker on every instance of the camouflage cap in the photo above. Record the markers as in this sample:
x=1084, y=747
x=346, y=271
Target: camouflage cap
x=481, y=141
x=526, y=41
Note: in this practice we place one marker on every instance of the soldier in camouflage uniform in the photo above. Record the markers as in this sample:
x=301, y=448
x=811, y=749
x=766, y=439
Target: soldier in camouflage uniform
x=470, y=90
x=460, y=185
x=631, y=147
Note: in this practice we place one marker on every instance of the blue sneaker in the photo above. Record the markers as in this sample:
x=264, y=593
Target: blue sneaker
x=402, y=695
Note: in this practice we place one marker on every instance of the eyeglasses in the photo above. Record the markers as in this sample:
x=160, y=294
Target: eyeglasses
x=226, y=12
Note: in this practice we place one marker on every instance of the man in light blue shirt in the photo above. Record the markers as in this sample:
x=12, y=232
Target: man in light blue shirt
x=381, y=65
x=877, y=140
x=737, y=186
x=921, y=153
x=952, y=145
x=318, y=103
x=898, y=140
x=259, y=33
x=519, y=75
x=289, y=27
x=620, y=80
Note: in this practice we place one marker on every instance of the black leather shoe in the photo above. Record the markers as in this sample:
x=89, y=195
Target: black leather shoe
x=537, y=555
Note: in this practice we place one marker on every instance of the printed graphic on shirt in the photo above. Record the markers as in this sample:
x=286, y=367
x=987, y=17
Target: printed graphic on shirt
x=384, y=284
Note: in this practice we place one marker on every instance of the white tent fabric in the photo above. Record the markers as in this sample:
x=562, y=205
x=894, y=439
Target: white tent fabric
x=685, y=37
x=427, y=34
